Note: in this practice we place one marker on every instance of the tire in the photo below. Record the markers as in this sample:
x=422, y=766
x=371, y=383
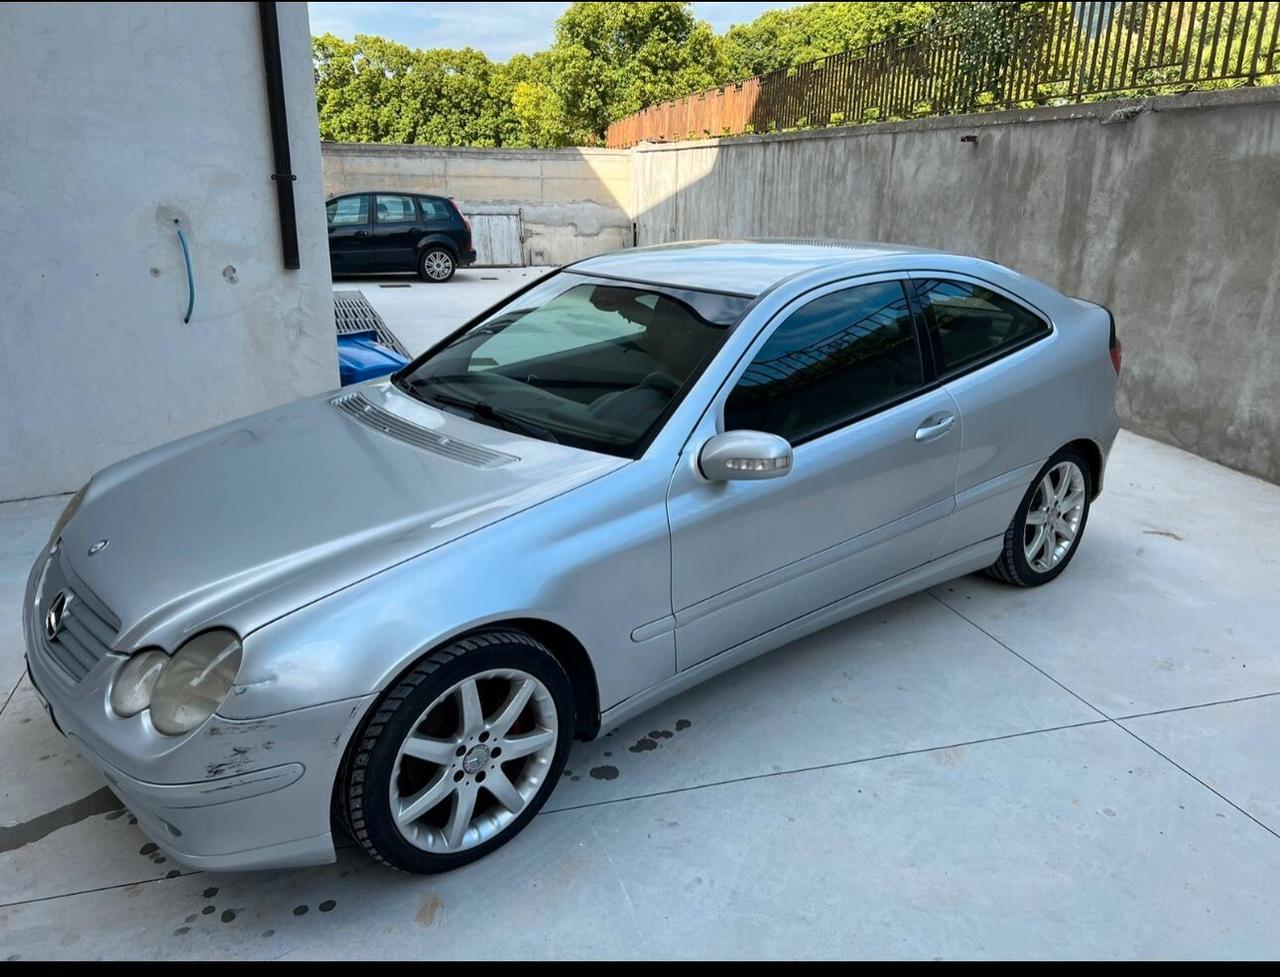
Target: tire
x=436, y=264
x=380, y=779
x=1021, y=568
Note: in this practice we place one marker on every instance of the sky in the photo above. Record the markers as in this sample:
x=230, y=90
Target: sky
x=498, y=29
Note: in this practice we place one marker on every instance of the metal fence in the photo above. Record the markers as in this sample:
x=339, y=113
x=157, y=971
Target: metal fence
x=1058, y=54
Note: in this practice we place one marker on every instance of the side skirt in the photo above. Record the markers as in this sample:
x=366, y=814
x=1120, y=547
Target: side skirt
x=968, y=560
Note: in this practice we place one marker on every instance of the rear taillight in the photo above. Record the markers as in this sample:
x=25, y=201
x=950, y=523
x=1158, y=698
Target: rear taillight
x=465, y=222
x=1117, y=348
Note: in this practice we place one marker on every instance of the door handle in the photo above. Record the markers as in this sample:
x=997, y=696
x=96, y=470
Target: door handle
x=360, y=234
x=935, y=427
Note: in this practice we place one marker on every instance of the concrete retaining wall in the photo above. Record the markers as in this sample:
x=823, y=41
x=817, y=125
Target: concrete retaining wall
x=1168, y=212
x=573, y=203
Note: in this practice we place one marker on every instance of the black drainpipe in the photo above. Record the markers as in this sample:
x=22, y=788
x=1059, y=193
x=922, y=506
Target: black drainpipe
x=279, y=133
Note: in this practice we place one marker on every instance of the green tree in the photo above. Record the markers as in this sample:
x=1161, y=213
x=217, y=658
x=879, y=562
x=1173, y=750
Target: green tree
x=374, y=90
x=611, y=59
x=785, y=38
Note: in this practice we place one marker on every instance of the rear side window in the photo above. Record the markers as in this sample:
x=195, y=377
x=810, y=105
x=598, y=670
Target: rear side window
x=836, y=359
x=391, y=210
x=348, y=210
x=971, y=324
x=434, y=210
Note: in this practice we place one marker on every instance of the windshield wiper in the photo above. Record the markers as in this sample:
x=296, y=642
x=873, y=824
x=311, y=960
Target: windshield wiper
x=479, y=409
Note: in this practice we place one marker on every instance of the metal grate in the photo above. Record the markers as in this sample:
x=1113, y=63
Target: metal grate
x=353, y=313
x=86, y=634
x=359, y=407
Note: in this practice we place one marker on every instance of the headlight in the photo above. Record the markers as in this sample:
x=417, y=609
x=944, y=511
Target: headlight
x=131, y=690
x=67, y=513
x=194, y=682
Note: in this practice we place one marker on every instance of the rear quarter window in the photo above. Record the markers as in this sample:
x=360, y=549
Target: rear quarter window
x=970, y=324
x=434, y=210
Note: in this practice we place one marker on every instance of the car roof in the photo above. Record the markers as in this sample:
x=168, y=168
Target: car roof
x=743, y=267
x=385, y=192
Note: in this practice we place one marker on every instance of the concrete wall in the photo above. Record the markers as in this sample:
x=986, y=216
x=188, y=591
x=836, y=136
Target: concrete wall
x=573, y=203
x=1168, y=216
x=116, y=119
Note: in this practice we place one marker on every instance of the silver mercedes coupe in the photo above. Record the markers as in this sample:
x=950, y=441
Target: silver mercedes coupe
x=391, y=609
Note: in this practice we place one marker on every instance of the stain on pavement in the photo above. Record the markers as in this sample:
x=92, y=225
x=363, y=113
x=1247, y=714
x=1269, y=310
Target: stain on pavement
x=25, y=832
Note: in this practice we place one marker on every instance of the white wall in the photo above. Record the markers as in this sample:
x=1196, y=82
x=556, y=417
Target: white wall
x=114, y=120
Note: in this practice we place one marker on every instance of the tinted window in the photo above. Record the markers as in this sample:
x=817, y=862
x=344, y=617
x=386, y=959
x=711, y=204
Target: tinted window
x=970, y=323
x=583, y=361
x=837, y=358
x=434, y=210
x=348, y=210
x=393, y=209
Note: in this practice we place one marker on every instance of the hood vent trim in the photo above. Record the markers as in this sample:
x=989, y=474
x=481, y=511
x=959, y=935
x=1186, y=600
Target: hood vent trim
x=358, y=407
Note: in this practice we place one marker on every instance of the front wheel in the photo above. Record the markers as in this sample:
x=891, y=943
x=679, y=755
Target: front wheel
x=436, y=265
x=461, y=754
x=1046, y=529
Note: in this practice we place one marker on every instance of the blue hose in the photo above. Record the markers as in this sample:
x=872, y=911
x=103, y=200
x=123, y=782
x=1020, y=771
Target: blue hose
x=191, y=281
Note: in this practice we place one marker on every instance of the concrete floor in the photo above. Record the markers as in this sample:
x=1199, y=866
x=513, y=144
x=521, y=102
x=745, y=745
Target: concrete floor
x=1084, y=770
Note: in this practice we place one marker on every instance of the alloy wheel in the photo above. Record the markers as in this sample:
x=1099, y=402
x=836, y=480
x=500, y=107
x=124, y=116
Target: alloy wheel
x=438, y=266
x=1054, y=517
x=473, y=760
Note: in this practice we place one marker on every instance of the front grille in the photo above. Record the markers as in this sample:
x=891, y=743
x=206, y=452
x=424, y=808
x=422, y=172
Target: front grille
x=359, y=407
x=86, y=633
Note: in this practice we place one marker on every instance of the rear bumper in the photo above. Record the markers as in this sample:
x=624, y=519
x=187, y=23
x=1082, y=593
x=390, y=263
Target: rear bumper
x=1106, y=440
x=466, y=258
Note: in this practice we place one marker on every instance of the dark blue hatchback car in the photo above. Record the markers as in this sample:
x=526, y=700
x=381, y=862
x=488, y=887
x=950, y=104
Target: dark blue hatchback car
x=377, y=231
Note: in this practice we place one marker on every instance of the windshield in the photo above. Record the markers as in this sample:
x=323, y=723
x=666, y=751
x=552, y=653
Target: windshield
x=579, y=360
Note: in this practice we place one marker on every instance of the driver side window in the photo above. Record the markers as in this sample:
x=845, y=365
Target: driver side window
x=839, y=358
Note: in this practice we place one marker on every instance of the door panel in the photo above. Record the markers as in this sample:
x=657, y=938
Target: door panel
x=862, y=503
x=397, y=228
x=350, y=234
x=859, y=506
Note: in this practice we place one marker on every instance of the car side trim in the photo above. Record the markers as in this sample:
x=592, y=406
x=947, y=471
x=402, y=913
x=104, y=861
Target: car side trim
x=654, y=629
x=967, y=560
x=817, y=561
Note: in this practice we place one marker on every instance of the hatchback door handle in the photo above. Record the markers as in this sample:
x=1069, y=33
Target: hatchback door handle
x=935, y=427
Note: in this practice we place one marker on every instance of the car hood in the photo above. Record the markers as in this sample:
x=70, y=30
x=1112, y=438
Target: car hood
x=242, y=524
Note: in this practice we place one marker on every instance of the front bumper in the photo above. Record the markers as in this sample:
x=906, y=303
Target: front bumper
x=233, y=794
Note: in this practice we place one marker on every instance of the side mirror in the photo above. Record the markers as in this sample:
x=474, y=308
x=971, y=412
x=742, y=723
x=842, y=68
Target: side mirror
x=744, y=455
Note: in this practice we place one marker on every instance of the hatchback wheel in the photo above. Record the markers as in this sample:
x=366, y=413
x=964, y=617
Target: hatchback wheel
x=436, y=265
x=1046, y=530
x=461, y=754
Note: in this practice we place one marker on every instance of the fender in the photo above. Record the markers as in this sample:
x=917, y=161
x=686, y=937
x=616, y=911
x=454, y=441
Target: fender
x=434, y=238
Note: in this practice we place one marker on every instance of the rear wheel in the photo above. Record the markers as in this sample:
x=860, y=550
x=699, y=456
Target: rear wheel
x=1046, y=529
x=436, y=264
x=461, y=754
